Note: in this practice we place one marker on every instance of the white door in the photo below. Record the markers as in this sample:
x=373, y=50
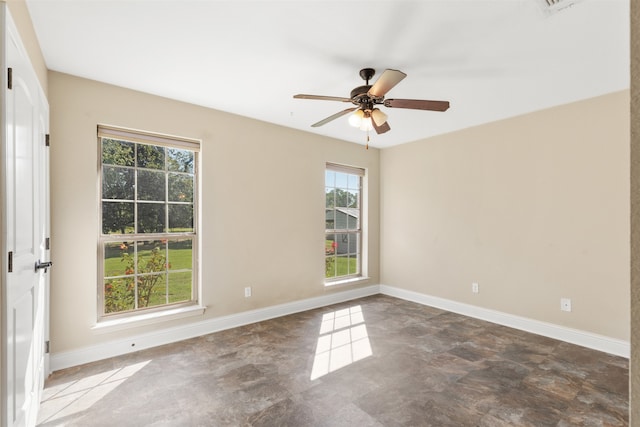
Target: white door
x=24, y=227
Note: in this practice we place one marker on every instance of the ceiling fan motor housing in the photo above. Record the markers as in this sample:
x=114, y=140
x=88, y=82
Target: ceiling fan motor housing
x=359, y=94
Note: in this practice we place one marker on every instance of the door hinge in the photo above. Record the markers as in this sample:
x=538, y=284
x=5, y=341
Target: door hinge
x=10, y=78
x=46, y=140
x=10, y=263
x=47, y=347
x=47, y=243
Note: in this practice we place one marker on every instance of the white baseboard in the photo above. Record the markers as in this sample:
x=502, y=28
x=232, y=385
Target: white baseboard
x=119, y=347
x=170, y=335
x=573, y=336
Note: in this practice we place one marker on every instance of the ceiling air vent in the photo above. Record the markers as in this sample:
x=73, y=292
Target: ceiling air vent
x=552, y=6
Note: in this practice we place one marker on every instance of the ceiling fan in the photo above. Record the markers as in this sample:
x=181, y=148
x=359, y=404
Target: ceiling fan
x=365, y=98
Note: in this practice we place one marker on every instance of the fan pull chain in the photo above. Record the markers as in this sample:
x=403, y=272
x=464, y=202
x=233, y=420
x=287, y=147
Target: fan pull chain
x=367, y=140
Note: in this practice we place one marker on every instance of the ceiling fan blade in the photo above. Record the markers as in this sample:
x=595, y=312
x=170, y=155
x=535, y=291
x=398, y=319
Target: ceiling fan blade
x=335, y=116
x=385, y=82
x=322, y=98
x=382, y=128
x=417, y=104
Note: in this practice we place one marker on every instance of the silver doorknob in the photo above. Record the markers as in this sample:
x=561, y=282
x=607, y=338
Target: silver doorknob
x=44, y=265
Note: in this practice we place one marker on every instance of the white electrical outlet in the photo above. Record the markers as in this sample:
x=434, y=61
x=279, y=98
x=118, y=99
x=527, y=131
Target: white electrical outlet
x=565, y=304
x=247, y=292
x=475, y=288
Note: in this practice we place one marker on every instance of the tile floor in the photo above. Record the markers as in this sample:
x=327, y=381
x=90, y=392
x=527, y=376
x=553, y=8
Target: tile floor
x=375, y=361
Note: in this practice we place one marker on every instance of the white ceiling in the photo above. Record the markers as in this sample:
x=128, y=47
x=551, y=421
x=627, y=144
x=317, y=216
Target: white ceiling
x=492, y=59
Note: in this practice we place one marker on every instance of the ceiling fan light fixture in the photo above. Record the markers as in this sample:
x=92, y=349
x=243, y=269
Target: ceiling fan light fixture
x=355, y=119
x=366, y=124
x=361, y=119
x=378, y=116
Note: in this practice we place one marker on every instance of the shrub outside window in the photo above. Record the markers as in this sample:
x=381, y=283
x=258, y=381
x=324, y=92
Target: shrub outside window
x=148, y=231
x=343, y=222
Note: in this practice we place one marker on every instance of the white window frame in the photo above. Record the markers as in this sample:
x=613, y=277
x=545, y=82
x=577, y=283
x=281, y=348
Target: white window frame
x=359, y=231
x=171, y=309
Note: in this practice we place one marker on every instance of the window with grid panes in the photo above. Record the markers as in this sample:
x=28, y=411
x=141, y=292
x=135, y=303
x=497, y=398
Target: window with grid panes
x=343, y=222
x=148, y=232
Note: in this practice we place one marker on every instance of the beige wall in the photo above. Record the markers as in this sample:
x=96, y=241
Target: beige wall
x=533, y=208
x=262, y=204
x=22, y=19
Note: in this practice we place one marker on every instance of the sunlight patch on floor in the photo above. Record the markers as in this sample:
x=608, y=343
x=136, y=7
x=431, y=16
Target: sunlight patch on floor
x=70, y=398
x=343, y=340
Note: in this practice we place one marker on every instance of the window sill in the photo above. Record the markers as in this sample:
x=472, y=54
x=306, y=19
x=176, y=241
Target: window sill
x=147, y=319
x=346, y=282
